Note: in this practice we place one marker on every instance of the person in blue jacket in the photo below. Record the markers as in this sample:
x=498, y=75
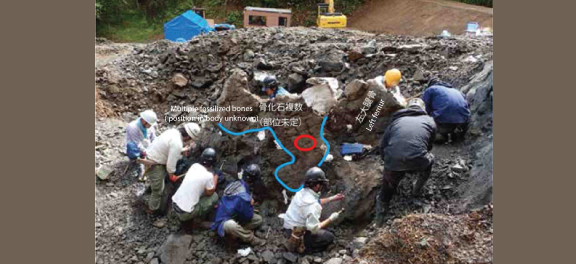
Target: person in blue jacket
x=235, y=216
x=449, y=108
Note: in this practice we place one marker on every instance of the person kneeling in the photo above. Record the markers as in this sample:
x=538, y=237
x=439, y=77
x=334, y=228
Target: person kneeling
x=235, y=216
x=196, y=196
x=304, y=214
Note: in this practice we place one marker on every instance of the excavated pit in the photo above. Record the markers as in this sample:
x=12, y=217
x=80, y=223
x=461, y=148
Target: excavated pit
x=222, y=69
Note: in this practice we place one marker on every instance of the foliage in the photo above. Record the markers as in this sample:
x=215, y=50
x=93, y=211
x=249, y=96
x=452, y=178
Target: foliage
x=141, y=20
x=235, y=18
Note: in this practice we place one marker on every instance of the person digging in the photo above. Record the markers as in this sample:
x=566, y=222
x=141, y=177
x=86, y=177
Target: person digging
x=140, y=133
x=163, y=156
x=196, y=196
x=405, y=148
x=235, y=215
x=305, y=232
x=449, y=108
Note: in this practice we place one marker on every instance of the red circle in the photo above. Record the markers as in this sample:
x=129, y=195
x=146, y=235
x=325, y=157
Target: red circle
x=304, y=136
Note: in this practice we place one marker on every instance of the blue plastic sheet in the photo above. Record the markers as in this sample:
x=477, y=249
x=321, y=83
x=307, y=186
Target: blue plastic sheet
x=186, y=26
x=348, y=148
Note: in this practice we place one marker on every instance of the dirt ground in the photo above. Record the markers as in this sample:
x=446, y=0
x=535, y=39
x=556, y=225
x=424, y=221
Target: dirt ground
x=418, y=17
x=124, y=233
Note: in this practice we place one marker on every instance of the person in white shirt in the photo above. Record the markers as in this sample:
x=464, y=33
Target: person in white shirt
x=196, y=196
x=305, y=209
x=139, y=134
x=390, y=80
x=165, y=152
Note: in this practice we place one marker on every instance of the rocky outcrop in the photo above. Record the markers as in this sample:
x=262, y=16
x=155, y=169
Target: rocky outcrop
x=477, y=191
x=140, y=78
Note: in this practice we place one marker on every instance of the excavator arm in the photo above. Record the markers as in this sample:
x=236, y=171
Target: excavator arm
x=330, y=5
x=328, y=18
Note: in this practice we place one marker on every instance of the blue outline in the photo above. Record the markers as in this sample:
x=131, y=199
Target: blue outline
x=325, y=141
x=285, y=149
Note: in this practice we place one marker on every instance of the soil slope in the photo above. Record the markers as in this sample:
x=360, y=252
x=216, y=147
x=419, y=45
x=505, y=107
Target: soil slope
x=418, y=17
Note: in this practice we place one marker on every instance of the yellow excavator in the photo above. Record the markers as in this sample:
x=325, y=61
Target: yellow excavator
x=327, y=18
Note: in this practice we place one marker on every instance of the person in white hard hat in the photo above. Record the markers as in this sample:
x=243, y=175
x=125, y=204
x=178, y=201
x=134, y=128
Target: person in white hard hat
x=165, y=152
x=139, y=134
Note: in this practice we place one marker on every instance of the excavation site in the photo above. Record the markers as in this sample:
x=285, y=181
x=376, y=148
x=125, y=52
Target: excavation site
x=294, y=145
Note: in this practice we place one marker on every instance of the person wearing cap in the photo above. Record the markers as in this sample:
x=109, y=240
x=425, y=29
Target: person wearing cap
x=304, y=212
x=390, y=80
x=235, y=215
x=272, y=88
x=405, y=148
x=139, y=134
x=449, y=108
x=196, y=196
x=164, y=153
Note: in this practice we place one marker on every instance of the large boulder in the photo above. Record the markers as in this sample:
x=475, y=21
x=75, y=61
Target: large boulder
x=175, y=249
x=477, y=190
x=479, y=94
x=365, y=112
x=323, y=95
x=360, y=181
x=296, y=82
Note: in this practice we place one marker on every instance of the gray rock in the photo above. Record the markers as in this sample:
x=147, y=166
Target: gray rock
x=355, y=89
x=179, y=80
x=262, y=64
x=154, y=261
x=355, y=54
x=248, y=55
x=457, y=168
x=290, y=256
x=334, y=261
x=331, y=66
x=175, y=249
x=216, y=261
x=419, y=76
x=113, y=88
x=201, y=82
x=295, y=81
x=318, y=260
x=149, y=257
x=268, y=256
x=369, y=48
x=104, y=172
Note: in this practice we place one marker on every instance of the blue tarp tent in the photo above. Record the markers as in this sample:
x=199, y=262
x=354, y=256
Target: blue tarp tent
x=185, y=26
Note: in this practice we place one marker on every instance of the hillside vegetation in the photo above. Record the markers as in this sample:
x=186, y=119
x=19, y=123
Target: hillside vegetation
x=143, y=20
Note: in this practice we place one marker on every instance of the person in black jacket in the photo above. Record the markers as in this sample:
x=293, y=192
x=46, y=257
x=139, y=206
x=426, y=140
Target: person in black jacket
x=406, y=148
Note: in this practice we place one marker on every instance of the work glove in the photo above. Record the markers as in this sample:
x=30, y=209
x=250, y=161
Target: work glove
x=146, y=143
x=337, y=197
x=333, y=217
x=173, y=178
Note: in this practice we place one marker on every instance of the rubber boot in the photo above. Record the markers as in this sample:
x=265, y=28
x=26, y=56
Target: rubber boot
x=422, y=178
x=381, y=209
x=417, y=189
x=255, y=241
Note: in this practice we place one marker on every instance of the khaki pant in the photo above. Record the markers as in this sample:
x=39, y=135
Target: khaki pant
x=156, y=175
x=243, y=232
x=203, y=207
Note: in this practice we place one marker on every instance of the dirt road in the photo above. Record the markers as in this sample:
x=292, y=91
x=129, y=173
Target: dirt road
x=418, y=17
